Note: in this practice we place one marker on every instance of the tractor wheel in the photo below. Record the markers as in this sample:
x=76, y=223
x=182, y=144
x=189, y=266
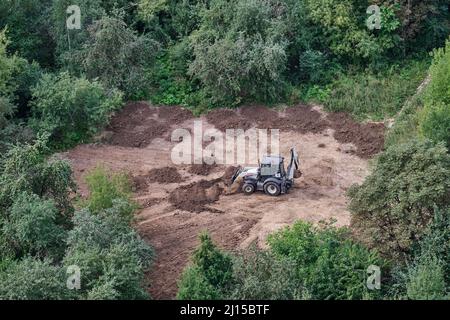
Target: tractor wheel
x=272, y=189
x=248, y=189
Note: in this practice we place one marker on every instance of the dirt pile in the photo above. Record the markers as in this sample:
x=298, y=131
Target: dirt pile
x=367, y=137
x=174, y=114
x=303, y=119
x=138, y=123
x=159, y=175
x=134, y=113
x=196, y=196
x=224, y=119
x=202, y=169
x=264, y=117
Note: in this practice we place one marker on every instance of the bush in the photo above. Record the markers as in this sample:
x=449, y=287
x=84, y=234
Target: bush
x=435, y=123
x=25, y=168
x=32, y=228
x=111, y=256
x=426, y=280
x=71, y=109
x=105, y=190
x=391, y=209
x=210, y=274
x=260, y=275
x=32, y=279
x=330, y=265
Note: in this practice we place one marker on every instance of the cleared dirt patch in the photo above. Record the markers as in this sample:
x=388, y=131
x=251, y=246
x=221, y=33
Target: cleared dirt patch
x=196, y=196
x=179, y=202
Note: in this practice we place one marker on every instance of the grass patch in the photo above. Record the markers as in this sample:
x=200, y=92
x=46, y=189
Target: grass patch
x=375, y=96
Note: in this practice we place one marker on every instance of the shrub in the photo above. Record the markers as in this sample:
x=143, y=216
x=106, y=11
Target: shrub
x=111, y=256
x=426, y=280
x=393, y=206
x=106, y=189
x=210, y=274
x=33, y=279
x=32, y=229
x=260, y=275
x=71, y=109
x=25, y=168
x=435, y=123
x=330, y=265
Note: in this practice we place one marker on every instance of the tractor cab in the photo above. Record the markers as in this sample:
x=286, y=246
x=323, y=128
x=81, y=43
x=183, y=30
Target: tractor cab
x=272, y=166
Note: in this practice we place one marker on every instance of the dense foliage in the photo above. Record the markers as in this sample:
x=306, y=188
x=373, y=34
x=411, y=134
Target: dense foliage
x=395, y=203
x=59, y=86
x=303, y=262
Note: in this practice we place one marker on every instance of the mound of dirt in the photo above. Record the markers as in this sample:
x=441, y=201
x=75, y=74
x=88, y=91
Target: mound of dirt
x=224, y=119
x=133, y=114
x=367, y=137
x=196, y=196
x=202, y=169
x=174, y=114
x=303, y=119
x=264, y=117
x=138, y=136
x=160, y=175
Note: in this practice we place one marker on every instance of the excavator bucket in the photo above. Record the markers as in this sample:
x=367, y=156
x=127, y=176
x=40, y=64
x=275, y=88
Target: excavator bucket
x=236, y=182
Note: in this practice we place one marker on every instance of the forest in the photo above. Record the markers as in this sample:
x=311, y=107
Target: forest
x=71, y=213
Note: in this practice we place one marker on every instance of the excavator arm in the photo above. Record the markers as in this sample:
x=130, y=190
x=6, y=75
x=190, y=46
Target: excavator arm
x=293, y=165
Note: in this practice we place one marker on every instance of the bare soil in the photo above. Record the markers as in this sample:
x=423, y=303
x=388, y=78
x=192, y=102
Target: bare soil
x=179, y=202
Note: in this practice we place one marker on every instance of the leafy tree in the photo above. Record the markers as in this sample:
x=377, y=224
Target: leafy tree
x=393, y=206
x=423, y=24
x=31, y=228
x=260, y=275
x=110, y=254
x=68, y=40
x=239, y=53
x=71, y=109
x=116, y=55
x=25, y=168
x=344, y=29
x=210, y=274
x=33, y=279
x=327, y=261
x=8, y=66
x=29, y=29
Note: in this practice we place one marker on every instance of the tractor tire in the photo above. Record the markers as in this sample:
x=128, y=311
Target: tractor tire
x=248, y=189
x=272, y=189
